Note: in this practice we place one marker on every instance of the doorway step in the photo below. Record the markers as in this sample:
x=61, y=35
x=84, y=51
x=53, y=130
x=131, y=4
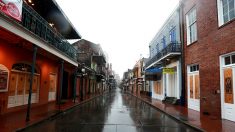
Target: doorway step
x=170, y=100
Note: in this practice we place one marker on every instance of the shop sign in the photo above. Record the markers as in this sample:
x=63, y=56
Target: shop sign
x=168, y=70
x=12, y=8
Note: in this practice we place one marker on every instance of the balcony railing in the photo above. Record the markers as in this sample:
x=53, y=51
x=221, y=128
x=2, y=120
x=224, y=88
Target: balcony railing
x=100, y=70
x=170, y=48
x=40, y=27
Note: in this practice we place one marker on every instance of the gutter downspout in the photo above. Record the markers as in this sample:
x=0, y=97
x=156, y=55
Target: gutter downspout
x=182, y=58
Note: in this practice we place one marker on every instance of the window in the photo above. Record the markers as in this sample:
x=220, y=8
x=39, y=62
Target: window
x=229, y=60
x=157, y=47
x=173, y=35
x=152, y=51
x=164, y=41
x=191, y=26
x=194, y=68
x=24, y=67
x=226, y=11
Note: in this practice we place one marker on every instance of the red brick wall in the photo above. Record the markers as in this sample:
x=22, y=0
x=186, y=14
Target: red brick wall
x=213, y=41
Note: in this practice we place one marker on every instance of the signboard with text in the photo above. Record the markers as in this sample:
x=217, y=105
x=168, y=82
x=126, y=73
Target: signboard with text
x=12, y=8
x=168, y=70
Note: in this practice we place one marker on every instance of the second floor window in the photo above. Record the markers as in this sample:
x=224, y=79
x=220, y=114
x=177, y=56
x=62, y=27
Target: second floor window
x=157, y=47
x=228, y=10
x=191, y=26
x=173, y=35
x=152, y=51
x=164, y=42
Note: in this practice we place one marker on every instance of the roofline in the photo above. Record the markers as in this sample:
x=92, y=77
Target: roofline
x=57, y=5
x=165, y=23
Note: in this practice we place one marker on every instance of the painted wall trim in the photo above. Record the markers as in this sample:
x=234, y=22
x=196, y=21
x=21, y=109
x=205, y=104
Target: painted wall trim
x=162, y=59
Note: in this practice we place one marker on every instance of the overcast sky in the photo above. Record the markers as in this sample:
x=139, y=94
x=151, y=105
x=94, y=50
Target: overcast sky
x=124, y=28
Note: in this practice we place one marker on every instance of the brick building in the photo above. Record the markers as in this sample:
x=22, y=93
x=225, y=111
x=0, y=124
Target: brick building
x=209, y=52
x=94, y=60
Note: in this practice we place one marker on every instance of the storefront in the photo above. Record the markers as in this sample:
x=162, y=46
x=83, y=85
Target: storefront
x=19, y=84
x=227, y=81
x=15, y=76
x=193, y=87
x=155, y=78
x=172, y=79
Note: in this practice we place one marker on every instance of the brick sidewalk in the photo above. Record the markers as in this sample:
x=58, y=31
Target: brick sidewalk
x=16, y=120
x=191, y=117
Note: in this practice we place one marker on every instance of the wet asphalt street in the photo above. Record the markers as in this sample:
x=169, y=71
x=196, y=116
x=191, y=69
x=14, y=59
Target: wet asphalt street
x=112, y=112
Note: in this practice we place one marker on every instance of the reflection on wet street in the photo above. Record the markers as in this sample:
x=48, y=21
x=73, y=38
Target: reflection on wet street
x=112, y=112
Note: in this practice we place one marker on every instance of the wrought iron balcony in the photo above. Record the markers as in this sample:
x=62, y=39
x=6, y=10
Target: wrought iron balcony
x=99, y=59
x=100, y=70
x=170, y=48
x=32, y=21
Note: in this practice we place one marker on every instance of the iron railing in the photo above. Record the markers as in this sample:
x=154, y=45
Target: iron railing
x=170, y=48
x=100, y=70
x=32, y=21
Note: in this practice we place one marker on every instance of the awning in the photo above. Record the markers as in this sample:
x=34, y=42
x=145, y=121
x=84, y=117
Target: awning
x=153, y=71
x=153, y=74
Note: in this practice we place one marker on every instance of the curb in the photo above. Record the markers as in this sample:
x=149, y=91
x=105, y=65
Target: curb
x=172, y=116
x=55, y=115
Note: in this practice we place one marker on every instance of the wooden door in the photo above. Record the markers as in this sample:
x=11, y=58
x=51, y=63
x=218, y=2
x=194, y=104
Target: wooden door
x=12, y=90
x=20, y=88
x=228, y=92
x=194, y=91
x=52, y=87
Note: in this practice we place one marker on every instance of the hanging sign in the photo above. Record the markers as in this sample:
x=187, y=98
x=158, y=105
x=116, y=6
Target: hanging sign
x=12, y=8
x=168, y=70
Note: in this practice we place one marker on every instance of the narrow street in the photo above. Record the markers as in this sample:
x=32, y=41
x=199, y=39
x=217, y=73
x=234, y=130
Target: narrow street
x=115, y=112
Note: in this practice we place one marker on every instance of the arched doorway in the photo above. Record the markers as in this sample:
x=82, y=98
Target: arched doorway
x=19, y=84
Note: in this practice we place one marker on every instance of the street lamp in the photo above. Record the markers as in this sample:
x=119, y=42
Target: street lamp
x=126, y=82
x=82, y=75
x=103, y=80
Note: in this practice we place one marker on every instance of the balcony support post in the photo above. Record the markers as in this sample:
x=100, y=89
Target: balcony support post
x=31, y=83
x=61, y=81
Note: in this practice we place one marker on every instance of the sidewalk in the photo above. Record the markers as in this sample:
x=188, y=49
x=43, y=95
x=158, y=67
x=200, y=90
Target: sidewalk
x=16, y=120
x=190, y=117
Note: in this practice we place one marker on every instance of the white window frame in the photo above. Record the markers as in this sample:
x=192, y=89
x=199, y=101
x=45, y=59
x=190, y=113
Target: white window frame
x=189, y=35
x=173, y=28
x=189, y=68
x=220, y=13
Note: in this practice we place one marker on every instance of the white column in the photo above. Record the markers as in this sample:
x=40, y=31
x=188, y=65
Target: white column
x=179, y=76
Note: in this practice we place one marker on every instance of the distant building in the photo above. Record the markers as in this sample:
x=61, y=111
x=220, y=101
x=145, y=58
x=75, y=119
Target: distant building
x=93, y=58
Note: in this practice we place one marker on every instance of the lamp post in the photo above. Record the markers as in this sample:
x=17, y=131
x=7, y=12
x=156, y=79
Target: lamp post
x=139, y=87
x=132, y=87
x=75, y=85
x=126, y=84
x=102, y=85
x=81, y=88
